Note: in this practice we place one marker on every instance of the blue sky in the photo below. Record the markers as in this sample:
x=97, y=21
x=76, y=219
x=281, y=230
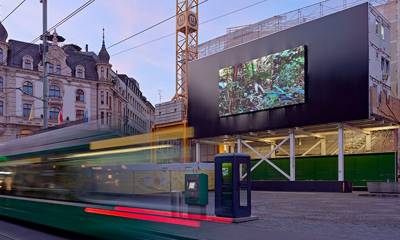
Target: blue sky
x=152, y=65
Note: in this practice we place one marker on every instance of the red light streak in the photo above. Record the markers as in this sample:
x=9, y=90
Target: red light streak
x=188, y=223
x=175, y=214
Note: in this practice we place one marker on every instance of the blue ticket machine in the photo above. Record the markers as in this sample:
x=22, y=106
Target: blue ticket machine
x=232, y=185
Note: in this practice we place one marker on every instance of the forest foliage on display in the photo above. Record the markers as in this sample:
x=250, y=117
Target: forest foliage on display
x=268, y=82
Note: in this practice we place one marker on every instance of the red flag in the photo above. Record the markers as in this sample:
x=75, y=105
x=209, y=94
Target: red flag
x=60, y=117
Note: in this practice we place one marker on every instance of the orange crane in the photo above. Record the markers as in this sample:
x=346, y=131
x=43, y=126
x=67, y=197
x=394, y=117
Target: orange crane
x=187, y=42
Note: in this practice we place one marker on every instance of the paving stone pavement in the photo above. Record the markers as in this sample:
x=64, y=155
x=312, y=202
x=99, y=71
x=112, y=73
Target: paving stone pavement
x=328, y=215
x=287, y=215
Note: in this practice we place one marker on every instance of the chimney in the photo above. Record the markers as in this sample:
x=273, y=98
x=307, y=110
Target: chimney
x=87, y=48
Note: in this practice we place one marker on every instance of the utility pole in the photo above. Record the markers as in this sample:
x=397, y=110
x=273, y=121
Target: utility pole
x=44, y=61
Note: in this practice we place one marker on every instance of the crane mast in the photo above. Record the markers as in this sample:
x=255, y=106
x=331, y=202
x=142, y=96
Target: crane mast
x=173, y=115
x=187, y=41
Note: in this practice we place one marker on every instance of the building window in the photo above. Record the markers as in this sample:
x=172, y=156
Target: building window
x=80, y=71
x=387, y=66
x=53, y=113
x=27, y=88
x=1, y=84
x=102, y=97
x=27, y=62
x=80, y=114
x=382, y=32
x=383, y=65
x=26, y=110
x=102, y=71
x=102, y=117
x=50, y=68
x=80, y=95
x=1, y=56
x=54, y=91
x=1, y=108
x=58, y=69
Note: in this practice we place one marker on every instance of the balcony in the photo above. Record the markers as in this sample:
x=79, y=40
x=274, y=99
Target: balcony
x=55, y=99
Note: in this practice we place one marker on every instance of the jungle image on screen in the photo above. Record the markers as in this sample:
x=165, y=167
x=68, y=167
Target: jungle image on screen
x=268, y=82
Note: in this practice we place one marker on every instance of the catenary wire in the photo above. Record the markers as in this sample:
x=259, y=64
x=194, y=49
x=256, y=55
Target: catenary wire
x=205, y=22
x=62, y=21
x=150, y=27
x=15, y=9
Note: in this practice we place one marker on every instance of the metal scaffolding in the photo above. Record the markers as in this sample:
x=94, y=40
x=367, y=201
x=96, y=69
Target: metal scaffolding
x=242, y=34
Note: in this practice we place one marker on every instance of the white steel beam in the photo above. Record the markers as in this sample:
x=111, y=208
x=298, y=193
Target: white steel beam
x=265, y=158
x=292, y=155
x=272, y=149
x=198, y=152
x=312, y=147
x=341, y=153
x=284, y=150
x=355, y=129
x=301, y=131
x=239, y=145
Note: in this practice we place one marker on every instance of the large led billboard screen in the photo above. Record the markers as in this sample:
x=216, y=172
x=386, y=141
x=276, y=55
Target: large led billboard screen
x=314, y=73
x=267, y=82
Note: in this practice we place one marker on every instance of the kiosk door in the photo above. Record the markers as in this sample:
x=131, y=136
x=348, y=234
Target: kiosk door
x=232, y=185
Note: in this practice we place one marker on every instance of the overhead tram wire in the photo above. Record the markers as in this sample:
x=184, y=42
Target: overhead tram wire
x=201, y=23
x=62, y=21
x=150, y=27
x=15, y=9
x=86, y=4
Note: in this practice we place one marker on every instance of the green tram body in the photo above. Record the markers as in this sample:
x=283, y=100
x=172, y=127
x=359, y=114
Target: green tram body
x=51, y=192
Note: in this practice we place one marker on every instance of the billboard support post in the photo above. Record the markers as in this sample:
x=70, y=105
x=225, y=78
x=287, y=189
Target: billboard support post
x=341, y=152
x=198, y=152
x=239, y=145
x=292, y=155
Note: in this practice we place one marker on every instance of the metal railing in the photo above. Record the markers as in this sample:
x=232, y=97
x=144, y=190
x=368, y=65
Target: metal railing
x=239, y=35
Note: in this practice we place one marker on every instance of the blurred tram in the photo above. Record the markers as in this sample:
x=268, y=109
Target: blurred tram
x=89, y=183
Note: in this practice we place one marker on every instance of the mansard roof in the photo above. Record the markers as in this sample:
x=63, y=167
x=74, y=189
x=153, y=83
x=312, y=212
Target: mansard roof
x=17, y=50
x=86, y=59
x=129, y=81
x=3, y=33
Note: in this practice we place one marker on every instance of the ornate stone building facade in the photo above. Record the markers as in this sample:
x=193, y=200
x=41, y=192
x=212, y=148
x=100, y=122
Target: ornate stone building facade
x=82, y=86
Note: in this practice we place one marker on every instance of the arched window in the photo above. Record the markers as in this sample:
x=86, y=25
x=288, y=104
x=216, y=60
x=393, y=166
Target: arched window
x=80, y=71
x=80, y=95
x=27, y=88
x=1, y=84
x=54, y=91
x=27, y=62
x=102, y=71
x=53, y=113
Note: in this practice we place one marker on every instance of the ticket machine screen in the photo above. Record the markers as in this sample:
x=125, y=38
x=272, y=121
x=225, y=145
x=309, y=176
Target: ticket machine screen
x=192, y=186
